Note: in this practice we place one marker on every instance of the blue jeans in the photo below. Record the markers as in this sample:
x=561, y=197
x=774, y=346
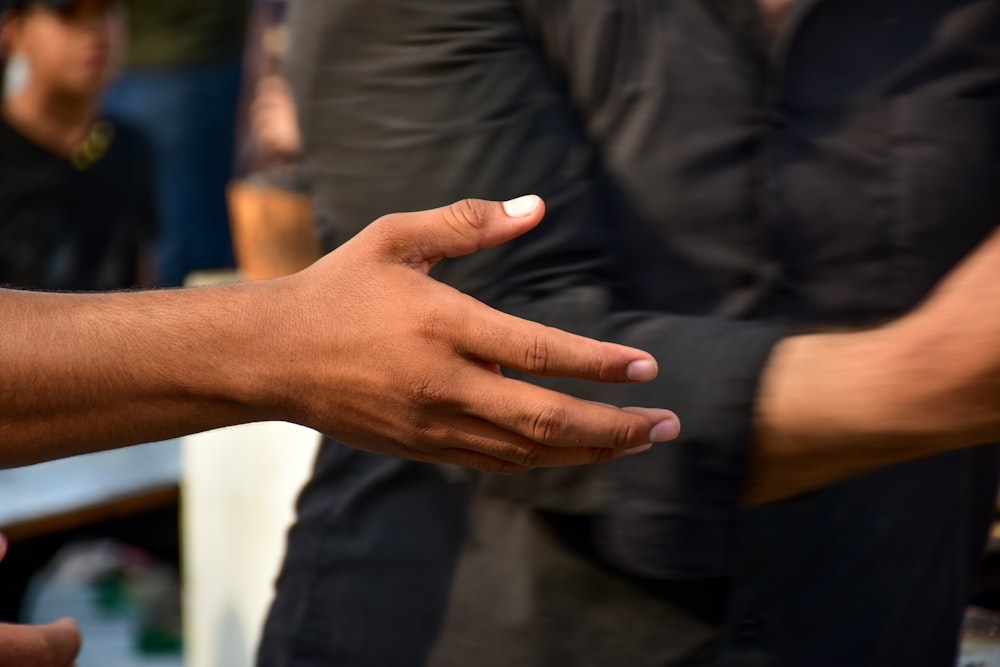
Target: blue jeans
x=187, y=114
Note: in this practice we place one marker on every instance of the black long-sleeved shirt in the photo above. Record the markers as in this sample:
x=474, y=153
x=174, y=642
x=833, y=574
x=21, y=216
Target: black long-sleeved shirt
x=709, y=190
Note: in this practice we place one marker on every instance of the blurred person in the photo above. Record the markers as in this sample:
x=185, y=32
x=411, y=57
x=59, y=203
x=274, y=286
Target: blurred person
x=435, y=364
x=270, y=213
x=180, y=86
x=267, y=130
x=750, y=190
x=76, y=201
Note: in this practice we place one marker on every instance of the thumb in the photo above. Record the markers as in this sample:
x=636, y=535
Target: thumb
x=52, y=645
x=426, y=237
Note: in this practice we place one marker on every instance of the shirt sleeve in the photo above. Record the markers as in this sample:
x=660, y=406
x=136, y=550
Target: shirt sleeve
x=406, y=106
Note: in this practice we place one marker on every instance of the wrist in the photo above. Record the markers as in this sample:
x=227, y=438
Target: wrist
x=819, y=390
x=830, y=406
x=256, y=348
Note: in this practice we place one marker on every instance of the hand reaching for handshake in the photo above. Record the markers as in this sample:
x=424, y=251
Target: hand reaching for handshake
x=422, y=380
x=363, y=346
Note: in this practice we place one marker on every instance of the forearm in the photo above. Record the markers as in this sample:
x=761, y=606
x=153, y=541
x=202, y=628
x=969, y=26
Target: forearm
x=832, y=406
x=122, y=368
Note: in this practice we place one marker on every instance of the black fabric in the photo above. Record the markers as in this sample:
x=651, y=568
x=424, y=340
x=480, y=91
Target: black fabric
x=63, y=228
x=709, y=190
x=368, y=577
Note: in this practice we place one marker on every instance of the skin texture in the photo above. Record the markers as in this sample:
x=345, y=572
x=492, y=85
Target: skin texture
x=836, y=405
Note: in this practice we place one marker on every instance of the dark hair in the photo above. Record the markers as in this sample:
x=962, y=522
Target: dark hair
x=20, y=5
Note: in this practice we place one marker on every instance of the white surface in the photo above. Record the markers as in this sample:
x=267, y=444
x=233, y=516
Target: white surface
x=239, y=488
x=46, y=489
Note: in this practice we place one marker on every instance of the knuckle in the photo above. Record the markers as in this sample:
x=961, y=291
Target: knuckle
x=536, y=354
x=383, y=224
x=427, y=391
x=530, y=457
x=427, y=440
x=383, y=232
x=431, y=324
x=625, y=435
x=467, y=213
x=426, y=433
x=387, y=220
x=606, y=366
x=549, y=424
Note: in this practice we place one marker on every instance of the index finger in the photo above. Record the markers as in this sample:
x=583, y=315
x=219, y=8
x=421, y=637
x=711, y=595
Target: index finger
x=491, y=336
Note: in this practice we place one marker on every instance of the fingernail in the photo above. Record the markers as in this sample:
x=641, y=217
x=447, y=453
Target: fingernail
x=522, y=206
x=642, y=370
x=638, y=450
x=668, y=429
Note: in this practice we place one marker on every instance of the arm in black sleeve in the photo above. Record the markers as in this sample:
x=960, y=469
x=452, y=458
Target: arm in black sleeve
x=408, y=105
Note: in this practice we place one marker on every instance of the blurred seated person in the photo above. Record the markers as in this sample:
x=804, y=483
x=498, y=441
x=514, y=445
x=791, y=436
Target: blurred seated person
x=76, y=202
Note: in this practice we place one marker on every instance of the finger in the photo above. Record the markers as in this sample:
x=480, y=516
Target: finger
x=489, y=448
x=3, y=545
x=662, y=431
x=492, y=336
x=540, y=456
x=664, y=428
x=655, y=415
x=53, y=645
x=425, y=237
x=550, y=418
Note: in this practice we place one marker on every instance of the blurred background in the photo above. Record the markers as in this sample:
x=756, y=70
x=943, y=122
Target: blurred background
x=186, y=174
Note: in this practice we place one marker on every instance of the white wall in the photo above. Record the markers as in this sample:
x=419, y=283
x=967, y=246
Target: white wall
x=238, y=491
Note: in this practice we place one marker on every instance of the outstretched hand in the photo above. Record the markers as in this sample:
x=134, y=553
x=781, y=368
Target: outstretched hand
x=363, y=346
x=423, y=381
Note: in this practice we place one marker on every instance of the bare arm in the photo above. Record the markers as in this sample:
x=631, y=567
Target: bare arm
x=363, y=346
x=836, y=405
